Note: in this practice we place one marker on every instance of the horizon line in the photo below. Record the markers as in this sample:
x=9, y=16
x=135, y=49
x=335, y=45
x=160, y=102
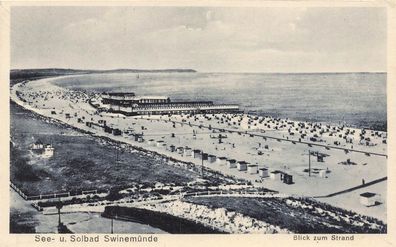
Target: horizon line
x=225, y=72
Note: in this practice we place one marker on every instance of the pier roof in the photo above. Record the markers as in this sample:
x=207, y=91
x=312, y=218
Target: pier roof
x=120, y=94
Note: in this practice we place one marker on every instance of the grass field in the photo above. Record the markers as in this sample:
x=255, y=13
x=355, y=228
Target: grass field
x=80, y=161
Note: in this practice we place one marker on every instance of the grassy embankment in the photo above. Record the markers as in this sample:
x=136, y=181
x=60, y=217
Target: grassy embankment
x=166, y=222
x=313, y=217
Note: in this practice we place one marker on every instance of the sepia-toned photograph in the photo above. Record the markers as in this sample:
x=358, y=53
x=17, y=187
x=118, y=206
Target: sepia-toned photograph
x=198, y=120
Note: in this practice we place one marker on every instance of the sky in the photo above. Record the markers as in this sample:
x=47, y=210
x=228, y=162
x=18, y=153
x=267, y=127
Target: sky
x=208, y=39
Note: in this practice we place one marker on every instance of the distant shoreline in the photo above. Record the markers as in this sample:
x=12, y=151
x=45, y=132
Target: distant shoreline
x=64, y=70
x=23, y=73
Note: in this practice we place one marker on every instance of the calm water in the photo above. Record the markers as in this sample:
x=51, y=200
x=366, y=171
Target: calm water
x=357, y=99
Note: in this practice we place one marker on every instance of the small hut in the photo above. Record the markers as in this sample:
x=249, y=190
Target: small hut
x=211, y=158
x=263, y=172
x=231, y=163
x=242, y=165
x=368, y=199
x=221, y=160
x=117, y=132
x=322, y=173
x=252, y=169
x=196, y=154
x=287, y=178
x=187, y=151
x=275, y=175
x=107, y=129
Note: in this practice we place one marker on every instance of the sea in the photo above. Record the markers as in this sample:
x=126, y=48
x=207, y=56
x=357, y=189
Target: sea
x=352, y=99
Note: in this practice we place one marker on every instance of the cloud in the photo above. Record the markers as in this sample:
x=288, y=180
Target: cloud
x=204, y=38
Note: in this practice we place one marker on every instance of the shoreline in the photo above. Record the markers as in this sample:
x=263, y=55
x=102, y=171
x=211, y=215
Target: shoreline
x=251, y=112
x=49, y=81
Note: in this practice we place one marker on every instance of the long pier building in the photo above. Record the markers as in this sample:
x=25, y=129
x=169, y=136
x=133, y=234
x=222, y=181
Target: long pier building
x=129, y=104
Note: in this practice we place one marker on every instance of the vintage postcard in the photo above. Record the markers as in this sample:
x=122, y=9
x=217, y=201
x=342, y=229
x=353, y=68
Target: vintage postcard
x=223, y=123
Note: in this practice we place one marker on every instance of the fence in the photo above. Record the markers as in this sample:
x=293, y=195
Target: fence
x=18, y=191
x=37, y=207
x=55, y=195
x=234, y=194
